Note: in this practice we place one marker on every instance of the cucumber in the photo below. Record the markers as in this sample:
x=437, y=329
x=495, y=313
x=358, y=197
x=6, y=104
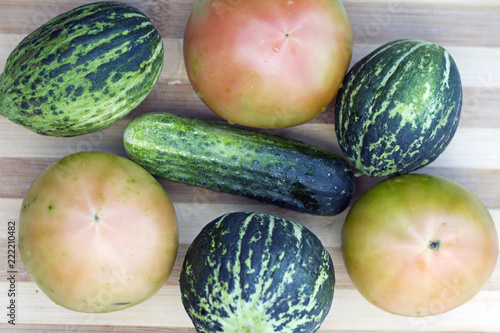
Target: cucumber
x=287, y=173
x=81, y=71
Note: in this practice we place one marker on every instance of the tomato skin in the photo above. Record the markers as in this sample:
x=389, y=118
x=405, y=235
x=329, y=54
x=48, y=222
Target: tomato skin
x=419, y=245
x=97, y=233
x=267, y=63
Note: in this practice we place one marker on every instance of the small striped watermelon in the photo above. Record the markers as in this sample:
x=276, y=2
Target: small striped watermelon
x=252, y=272
x=82, y=71
x=399, y=107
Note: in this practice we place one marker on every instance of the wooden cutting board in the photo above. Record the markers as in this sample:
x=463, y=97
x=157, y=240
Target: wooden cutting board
x=468, y=29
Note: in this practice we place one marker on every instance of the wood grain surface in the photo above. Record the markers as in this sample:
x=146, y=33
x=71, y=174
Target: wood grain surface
x=470, y=30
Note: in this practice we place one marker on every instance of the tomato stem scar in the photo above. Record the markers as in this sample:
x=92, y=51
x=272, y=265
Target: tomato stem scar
x=434, y=245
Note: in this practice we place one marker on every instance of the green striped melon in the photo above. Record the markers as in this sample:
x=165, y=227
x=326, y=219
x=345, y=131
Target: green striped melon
x=81, y=71
x=399, y=107
x=256, y=273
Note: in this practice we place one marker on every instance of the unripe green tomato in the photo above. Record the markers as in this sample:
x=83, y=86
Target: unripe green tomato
x=97, y=233
x=419, y=245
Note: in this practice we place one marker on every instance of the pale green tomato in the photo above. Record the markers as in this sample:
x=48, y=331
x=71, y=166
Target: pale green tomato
x=97, y=233
x=418, y=245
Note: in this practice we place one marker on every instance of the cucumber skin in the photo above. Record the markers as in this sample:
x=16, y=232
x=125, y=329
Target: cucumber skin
x=287, y=173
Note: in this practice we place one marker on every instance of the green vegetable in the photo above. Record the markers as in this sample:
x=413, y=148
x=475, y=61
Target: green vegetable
x=399, y=107
x=81, y=71
x=249, y=272
x=224, y=158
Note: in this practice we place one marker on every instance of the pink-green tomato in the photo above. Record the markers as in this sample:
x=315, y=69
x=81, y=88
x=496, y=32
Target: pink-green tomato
x=267, y=63
x=97, y=232
x=419, y=245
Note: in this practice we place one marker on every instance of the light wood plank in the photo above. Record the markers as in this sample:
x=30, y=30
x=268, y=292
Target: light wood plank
x=477, y=148
x=451, y=3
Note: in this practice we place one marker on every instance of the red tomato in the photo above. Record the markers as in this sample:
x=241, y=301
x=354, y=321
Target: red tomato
x=419, y=245
x=267, y=63
x=97, y=233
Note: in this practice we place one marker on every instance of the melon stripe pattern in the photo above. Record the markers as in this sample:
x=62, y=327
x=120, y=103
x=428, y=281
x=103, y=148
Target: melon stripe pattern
x=399, y=107
x=82, y=71
x=252, y=272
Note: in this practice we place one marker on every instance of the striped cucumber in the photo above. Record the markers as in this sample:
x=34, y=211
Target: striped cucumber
x=81, y=71
x=224, y=158
x=399, y=107
x=249, y=272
